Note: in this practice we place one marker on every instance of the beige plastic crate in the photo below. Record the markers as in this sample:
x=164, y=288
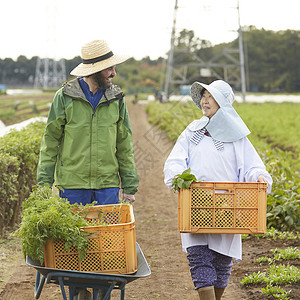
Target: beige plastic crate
x=222, y=207
x=112, y=247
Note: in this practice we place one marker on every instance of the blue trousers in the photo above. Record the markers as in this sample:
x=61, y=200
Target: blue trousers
x=83, y=196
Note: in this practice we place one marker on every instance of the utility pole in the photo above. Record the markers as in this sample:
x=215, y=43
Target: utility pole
x=171, y=54
x=242, y=60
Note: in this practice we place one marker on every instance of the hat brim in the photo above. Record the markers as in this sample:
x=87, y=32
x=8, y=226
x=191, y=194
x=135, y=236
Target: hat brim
x=89, y=69
x=196, y=90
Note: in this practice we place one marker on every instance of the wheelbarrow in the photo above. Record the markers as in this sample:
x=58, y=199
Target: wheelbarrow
x=76, y=280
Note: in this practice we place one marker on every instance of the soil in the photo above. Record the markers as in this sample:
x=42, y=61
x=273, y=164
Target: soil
x=155, y=213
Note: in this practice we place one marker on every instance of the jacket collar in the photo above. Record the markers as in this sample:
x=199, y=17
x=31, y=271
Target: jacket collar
x=72, y=88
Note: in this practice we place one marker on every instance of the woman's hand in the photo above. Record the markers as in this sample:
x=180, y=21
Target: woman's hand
x=262, y=178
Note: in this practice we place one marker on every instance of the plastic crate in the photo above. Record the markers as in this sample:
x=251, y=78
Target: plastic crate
x=112, y=247
x=221, y=207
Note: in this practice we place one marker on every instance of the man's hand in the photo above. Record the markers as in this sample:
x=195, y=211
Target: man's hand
x=128, y=197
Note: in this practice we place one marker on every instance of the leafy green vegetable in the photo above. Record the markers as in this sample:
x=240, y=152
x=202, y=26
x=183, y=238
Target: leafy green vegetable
x=183, y=181
x=47, y=216
x=289, y=253
x=276, y=292
x=273, y=277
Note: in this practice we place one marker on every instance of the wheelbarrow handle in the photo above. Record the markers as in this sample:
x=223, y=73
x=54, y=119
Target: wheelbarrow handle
x=39, y=284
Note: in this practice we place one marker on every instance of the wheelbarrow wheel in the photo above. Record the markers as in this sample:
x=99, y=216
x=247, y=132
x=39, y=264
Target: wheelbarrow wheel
x=101, y=294
x=86, y=295
x=83, y=295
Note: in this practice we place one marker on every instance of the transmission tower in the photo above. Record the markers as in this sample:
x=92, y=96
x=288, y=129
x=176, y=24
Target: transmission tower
x=49, y=71
x=227, y=64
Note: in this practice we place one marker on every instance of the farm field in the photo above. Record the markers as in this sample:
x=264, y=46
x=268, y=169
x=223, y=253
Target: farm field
x=155, y=212
x=17, y=108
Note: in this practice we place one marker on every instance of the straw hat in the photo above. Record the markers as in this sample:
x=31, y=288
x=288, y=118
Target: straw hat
x=96, y=56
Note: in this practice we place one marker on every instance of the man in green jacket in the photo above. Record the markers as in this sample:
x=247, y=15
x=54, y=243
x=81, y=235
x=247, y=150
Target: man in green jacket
x=87, y=148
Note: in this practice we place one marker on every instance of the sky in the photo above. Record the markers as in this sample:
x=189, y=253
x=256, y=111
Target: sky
x=139, y=28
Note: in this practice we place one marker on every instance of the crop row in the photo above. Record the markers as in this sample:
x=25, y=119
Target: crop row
x=19, y=152
x=282, y=271
x=14, y=109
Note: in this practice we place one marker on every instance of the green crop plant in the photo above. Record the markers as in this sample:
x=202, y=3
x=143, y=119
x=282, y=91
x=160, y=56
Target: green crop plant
x=12, y=111
x=273, y=277
x=183, y=181
x=276, y=292
x=286, y=254
x=283, y=274
x=47, y=216
x=268, y=121
x=254, y=278
x=265, y=259
x=289, y=253
x=8, y=113
x=275, y=234
x=19, y=151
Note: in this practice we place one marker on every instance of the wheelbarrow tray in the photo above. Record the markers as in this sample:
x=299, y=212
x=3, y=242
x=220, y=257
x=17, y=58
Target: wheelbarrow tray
x=87, y=279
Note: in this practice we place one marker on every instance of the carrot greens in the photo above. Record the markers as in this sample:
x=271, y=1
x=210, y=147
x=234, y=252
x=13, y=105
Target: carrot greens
x=47, y=216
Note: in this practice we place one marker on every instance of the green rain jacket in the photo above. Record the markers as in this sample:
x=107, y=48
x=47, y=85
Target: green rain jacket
x=83, y=148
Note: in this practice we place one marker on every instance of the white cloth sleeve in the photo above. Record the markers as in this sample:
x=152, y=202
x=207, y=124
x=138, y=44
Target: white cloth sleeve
x=177, y=160
x=250, y=165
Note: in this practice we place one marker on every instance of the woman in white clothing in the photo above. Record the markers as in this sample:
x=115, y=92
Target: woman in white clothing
x=215, y=148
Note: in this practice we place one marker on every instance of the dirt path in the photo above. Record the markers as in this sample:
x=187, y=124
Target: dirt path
x=155, y=212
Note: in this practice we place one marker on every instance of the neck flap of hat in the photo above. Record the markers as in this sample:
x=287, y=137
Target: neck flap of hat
x=225, y=125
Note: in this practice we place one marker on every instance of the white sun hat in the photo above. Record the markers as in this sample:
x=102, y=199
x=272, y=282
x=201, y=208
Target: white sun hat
x=96, y=56
x=225, y=125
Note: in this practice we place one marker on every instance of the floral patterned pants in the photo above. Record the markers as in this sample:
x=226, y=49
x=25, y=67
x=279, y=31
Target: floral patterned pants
x=208, y=267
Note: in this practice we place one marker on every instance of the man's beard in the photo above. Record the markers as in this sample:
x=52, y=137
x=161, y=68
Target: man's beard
x=101, y=81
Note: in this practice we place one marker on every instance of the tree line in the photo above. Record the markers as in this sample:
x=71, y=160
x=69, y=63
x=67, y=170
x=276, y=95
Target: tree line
x=272, y=62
